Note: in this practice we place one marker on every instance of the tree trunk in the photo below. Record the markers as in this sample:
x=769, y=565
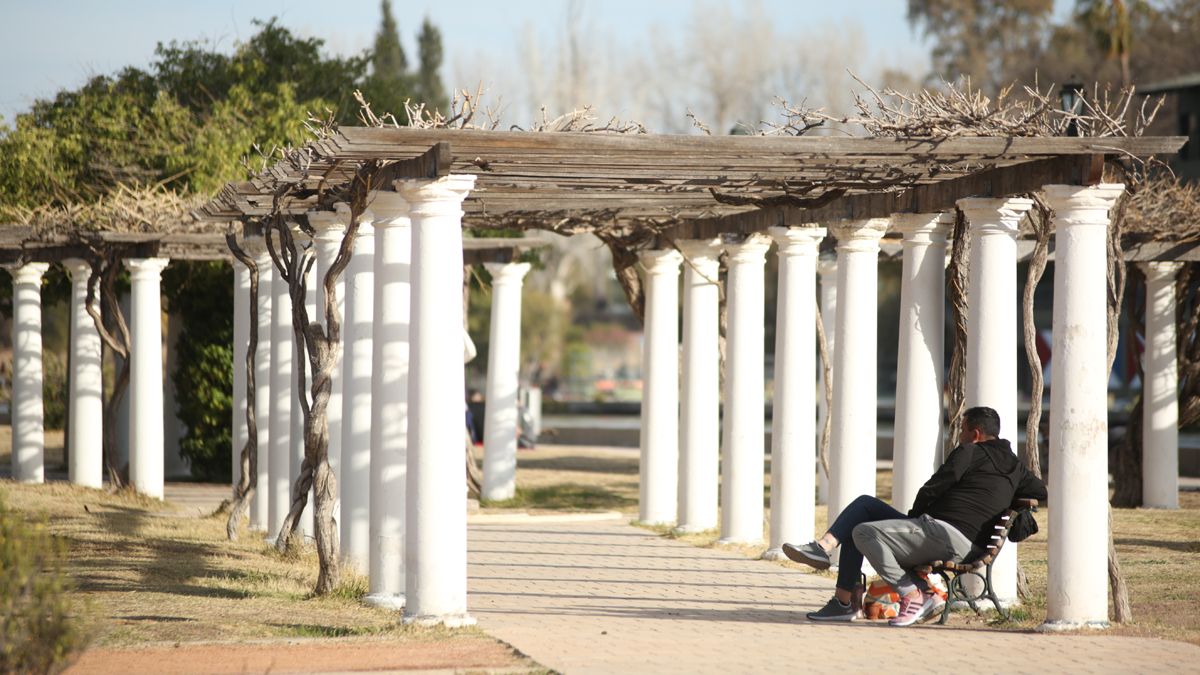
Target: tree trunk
x=1116, y=294
x=103, y=279
x=1122, y=610
x=249, y=455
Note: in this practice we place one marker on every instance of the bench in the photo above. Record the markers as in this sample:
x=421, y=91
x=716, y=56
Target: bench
x=979, y=567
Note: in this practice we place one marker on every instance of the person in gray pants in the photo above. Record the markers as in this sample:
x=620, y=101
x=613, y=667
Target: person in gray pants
x=950, y=520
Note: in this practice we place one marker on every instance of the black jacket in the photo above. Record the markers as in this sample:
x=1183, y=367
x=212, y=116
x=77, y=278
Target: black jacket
x=975, y=483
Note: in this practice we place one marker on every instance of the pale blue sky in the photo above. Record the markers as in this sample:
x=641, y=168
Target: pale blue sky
x=47, y=46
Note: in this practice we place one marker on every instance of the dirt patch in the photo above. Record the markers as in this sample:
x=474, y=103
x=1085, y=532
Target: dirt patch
x=463, y=653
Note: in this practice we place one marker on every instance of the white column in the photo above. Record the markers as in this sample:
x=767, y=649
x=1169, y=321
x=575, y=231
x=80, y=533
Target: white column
x=301, y=352
x=1160, y=390
x=793, y=418
x=436, y=515
x=241, y=344
x=742, y=455
x=991, y=375
x=659, y=465
x=260, y=502
x=28, y=432
x=827, y=270
x=146, y=376
x=330, y=229
x=282, y=393
x=700, y=407
x=504, y=363
x=921, y=354
x=1077, y=586
x=853, y=434
x=389, y=399
x=86, y=403
x=357, y=332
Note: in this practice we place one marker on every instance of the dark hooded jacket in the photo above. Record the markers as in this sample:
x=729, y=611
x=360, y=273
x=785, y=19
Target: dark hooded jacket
x=975, y=483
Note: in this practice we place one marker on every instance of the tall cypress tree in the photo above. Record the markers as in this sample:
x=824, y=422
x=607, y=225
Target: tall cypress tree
x=390, y=83
x=387, y=59
x=429, y=83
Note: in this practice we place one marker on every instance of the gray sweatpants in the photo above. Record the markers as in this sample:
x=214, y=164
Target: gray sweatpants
x=895, y=546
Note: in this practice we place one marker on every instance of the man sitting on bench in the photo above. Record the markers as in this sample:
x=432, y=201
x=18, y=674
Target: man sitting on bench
x=951, y=519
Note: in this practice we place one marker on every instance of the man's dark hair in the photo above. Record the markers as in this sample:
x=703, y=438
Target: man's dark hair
x=984, y=419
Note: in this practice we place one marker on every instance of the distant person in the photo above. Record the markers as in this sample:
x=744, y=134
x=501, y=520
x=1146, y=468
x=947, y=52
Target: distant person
x=951, y=519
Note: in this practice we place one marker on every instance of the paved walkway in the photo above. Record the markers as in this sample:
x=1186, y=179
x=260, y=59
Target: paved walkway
x=605, y=597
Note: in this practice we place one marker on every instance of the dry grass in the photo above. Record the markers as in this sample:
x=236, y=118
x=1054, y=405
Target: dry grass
x=569, y=478
x=1159, y=553
x=54, y=458
x=147, y=573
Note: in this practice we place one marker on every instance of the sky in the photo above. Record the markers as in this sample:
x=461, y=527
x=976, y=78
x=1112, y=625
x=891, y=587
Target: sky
x=48, y=46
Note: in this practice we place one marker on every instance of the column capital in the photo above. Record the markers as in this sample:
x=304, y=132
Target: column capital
x=329, y=225
x=441, y=197
x=861, y=235
x=700, y=251
x=28, y=273
x=1160, y=270
x=149, y=269
x=923, y=227
x=366, y=223
x=255, y=247
x=77, y=269
x=827, y=264
x=987, y=215
x=660, y=261
x=1082, y=204
x=506, y=273
x=390, y=208
x=802, y=240
x=753, y=249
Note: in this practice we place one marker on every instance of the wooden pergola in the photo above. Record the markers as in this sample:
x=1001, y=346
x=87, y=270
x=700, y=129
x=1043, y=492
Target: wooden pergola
x=685, y=187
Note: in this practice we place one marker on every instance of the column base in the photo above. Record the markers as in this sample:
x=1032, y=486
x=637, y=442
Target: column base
x=652, y=523
x=448, y=620
x=692, y=529
x=1068, y=626
x=394, y=601
x=774, y=554
x=739, y=541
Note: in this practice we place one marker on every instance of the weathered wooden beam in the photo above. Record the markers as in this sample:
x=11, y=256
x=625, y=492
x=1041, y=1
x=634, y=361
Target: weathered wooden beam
x=930, y=198
x=404, y=140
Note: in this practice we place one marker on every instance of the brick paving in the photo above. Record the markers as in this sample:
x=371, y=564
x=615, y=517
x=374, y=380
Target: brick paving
x=605, y=597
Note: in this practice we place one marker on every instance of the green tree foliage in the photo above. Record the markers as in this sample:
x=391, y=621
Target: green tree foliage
x=392, y=82
x=1101, y=41
x=201, y=295
x=980, y=39
x=39, y=631
x=187, y=121
x=429, y=81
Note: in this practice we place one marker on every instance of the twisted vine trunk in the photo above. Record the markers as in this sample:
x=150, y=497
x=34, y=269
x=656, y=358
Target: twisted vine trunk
x=1031, y=451
x=956, y=292
x=103, y=278
x=244, y=491
x=322, y=344
x=827, y=370
x=1122, y=608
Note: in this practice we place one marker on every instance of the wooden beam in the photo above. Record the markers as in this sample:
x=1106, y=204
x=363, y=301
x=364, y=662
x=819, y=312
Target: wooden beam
x=931, y=198
x=406, y=140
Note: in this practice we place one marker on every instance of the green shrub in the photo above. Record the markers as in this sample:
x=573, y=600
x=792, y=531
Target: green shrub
x=38, y=631
x=54, y=390
x=201, y=295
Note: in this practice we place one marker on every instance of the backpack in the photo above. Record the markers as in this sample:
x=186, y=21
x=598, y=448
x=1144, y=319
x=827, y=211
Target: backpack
x=1023, y=526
